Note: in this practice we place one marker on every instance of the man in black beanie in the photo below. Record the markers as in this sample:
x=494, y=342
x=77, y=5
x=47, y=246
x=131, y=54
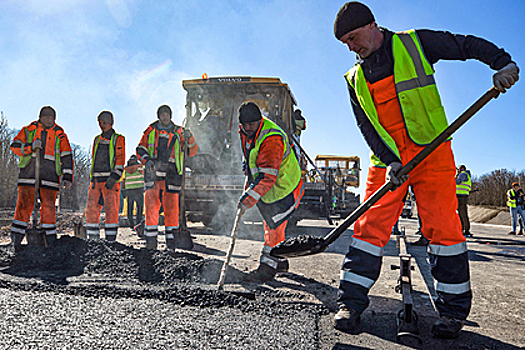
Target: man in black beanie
x=398, y=109
x=273, y=182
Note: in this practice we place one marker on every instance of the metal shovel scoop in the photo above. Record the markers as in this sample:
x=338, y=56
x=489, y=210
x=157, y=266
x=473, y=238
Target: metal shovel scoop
x=308, y=245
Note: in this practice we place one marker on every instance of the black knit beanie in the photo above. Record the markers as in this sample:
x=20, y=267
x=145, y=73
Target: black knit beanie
x=47, y=111
x=163, y=109
x=106, y=116
x=351, y=16
x=249, y=112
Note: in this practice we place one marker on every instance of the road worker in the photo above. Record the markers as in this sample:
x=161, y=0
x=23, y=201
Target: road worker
x=273, y=182
x=56, y=166
x=463, y=187
x=107, y=167
x=515, y=200
x=161, y=150
x=133, y=187
x=398, y=109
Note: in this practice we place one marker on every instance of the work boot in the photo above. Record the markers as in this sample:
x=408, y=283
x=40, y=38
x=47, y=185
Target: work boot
x=51, y=239
x=421, y=242
x=183, y=240
x=512, y=233
x=348, y=320
x=111, y=238
x=16, y=239
x=140, y=229
x=283, y=265
x=263, y=273
x=447, y=327
x=151, y=243
x=520, y=233
x=170, y=239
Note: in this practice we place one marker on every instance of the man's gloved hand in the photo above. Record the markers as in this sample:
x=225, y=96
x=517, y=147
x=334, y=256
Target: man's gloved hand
x=110, y=182
x=66, y=184
x=150, y=167
x=391, y=172
x=37, y=144
x=506, y=77
x=187, y=134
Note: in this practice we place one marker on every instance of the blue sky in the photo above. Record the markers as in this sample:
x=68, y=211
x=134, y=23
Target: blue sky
x=130, y=56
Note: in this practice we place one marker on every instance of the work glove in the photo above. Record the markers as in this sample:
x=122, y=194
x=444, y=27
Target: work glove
x=391, y=176
x=37, y=144
x=187, y=134
x=66, y=184
x=506, y=77
x=110, y=182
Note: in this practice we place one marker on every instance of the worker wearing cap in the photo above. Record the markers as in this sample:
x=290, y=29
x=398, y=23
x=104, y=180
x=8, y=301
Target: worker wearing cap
x=107, y=167
x=56, y=164
x=463, y=187
x=515, y=199
x=398, y=109
x=161, y=150
x=133, y=189
x=273, y=182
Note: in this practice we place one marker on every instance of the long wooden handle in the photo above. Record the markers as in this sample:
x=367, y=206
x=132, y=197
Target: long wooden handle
x=226, y=263
x=445, y=134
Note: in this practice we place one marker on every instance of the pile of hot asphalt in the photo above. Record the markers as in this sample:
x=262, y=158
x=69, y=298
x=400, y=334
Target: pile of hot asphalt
x=173, y=292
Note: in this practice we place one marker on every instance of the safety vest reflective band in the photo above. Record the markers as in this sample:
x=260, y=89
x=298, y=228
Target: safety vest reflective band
x=134, y=180
x=464, y=187
x=178, y=155
x=289, y=173
x=112, y=144
x=24, y=160
x=421, y=107
x=511, y=202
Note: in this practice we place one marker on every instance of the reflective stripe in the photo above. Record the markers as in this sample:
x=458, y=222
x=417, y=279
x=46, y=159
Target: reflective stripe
x=143, y=148
x=20, y=223
x=110, y=226
x=356, y=279
x=151, y=227
x=26, y=181
x=422, y=78
x=253, y=194
x=149, y=183
x=160, y=173
x=67, y=171
x=102, y=174
x=47, y=226
x=451, y=250
x=269, y=171
x=270, y=262
x=49, y=157
x=51, y=232
x=193, y=144
x=49, y=183
x=367, y=247
x=18, y=229
x=174, y=188
x=151, y=233
x=169, y=236
x=65, y=153
x=456, y=288
x=266, y=249
x=169, y=228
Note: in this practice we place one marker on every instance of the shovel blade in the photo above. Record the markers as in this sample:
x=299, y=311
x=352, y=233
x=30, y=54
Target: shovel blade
x=36, y=237
x=299, y=246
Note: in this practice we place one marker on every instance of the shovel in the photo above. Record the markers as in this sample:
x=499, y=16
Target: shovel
x=226, y=263
x=308, y=245
x=35, y=235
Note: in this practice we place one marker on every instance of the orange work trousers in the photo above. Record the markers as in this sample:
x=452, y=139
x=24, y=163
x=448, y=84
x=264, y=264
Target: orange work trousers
x=111, y=200
x=25, y=203
x=433, y=182
x=170, y=202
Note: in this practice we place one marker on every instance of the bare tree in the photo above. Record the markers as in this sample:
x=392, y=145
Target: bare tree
x=75, y=196
x=8, y=165
x=492, y=188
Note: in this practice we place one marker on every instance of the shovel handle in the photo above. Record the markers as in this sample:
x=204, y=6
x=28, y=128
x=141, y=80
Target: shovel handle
x=226, y=263
x=37, y=184
x=445, y=134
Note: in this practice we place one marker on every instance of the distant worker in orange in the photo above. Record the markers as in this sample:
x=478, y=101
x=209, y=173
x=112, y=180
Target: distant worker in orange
x=273, y=182
x=56, y=165
x=107, y=167
x=161, y=150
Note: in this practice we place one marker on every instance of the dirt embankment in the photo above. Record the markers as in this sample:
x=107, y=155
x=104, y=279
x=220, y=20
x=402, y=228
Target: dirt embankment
x=489, y=215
